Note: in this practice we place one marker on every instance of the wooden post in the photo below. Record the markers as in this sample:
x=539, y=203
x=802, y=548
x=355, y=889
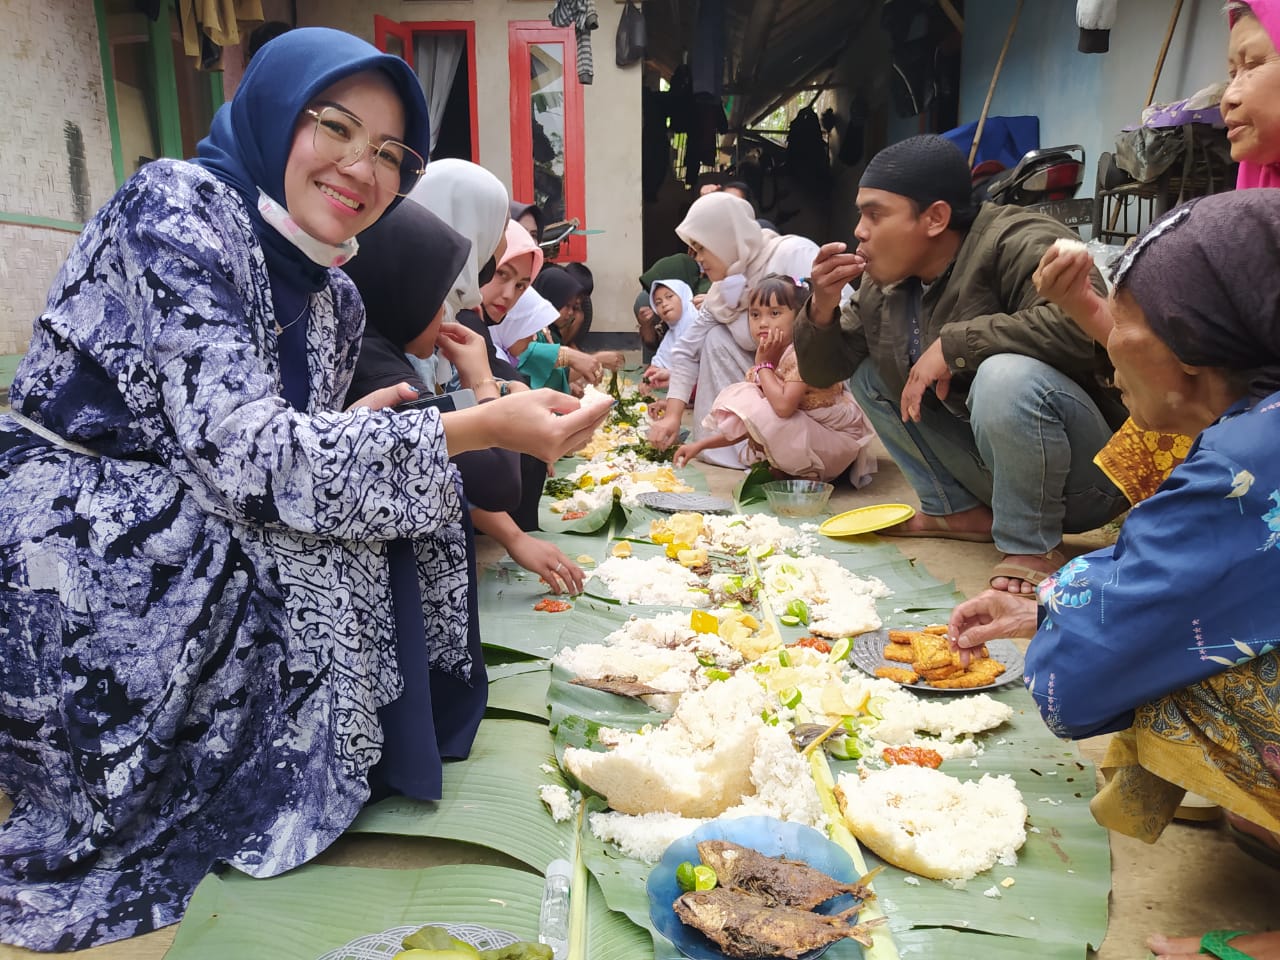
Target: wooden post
x=991, y=90
x=1164, y=50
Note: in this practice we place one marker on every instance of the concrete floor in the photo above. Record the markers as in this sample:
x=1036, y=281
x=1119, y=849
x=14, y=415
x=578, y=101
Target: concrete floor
x=1194, y=879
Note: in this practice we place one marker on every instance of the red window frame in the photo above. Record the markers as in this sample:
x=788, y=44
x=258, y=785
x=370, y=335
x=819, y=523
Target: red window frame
x=521, y=33
x=403, y=31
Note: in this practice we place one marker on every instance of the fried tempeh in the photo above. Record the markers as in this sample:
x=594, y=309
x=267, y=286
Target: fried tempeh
x=979, y=674
x=940, y=673
x=929, y=652
x=898, y=674
x=897, y=652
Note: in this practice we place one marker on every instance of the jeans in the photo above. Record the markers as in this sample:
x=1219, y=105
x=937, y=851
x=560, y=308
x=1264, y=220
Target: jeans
x=1025, y=450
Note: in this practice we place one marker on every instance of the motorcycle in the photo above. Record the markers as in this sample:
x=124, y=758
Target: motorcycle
x=1044, y=180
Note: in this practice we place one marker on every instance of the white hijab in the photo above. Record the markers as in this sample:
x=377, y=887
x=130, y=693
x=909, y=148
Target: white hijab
x=531, y=313
x=474, y=202
x=662, y=357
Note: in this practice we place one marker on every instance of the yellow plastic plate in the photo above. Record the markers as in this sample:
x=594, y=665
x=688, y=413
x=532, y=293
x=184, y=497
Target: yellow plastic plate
x=867, y=519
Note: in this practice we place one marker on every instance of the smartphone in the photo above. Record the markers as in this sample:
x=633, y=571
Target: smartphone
x=446, y=402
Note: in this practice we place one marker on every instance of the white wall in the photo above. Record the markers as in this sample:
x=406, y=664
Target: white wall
x=52, y=80
x=1087, y=98
x=611, y=106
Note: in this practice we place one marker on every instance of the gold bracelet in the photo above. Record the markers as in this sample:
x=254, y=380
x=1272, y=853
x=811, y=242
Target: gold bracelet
x=562, y=358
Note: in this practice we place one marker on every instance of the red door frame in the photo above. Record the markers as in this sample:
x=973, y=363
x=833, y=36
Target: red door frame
x=404, y=31
x=520, y=34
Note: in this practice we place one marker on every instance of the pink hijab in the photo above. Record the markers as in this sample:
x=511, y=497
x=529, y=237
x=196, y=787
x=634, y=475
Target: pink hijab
x=1254, y=174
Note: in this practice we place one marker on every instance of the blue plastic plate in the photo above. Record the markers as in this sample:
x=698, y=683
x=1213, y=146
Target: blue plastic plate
x=771, y=837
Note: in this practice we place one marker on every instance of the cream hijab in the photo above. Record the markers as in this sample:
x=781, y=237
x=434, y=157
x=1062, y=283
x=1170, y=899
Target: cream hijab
x=726, y=225
x=474, y=202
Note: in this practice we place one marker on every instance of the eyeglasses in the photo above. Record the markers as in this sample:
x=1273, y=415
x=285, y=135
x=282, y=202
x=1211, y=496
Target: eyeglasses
x=341, y=138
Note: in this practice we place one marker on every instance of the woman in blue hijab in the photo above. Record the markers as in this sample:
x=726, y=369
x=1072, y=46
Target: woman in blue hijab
x=195, y=597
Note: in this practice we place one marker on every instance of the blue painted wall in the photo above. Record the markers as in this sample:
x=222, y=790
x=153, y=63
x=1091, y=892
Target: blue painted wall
x=1086, y=98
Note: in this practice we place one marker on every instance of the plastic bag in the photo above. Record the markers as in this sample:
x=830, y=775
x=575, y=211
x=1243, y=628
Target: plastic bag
x=631, y=39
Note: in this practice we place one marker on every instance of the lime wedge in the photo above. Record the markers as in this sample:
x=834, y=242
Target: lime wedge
x=761, y=550
x=685, y=877
x=787, y=620
x=875, y=707
x=844, y=748
x=784, y=658
x=799, y=609
x=790, y=698
x=704, y=878
x=840, y=649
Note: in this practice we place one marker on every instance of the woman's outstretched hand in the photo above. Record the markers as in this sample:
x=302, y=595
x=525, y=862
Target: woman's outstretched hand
x=990, y=615
x=543, y=423
x=549, y=562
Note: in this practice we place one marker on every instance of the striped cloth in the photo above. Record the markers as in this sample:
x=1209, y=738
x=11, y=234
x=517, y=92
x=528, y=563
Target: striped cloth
x=581, y=14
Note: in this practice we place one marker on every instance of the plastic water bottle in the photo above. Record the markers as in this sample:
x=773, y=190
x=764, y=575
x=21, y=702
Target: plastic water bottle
x=553, y=919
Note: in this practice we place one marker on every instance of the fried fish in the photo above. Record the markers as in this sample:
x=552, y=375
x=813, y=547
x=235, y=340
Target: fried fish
x=774, y=879
x=744, y=925
x=628, y=686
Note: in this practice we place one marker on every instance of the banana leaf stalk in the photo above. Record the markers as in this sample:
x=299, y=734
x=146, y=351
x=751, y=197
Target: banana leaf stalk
x=883, y=947
x=579, y=889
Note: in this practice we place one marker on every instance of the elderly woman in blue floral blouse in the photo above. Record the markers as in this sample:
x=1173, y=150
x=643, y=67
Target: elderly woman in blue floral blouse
x=1172, y=636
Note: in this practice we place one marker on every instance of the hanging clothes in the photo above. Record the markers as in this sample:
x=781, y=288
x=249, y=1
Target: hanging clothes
x=581, y=15
x=216, y=22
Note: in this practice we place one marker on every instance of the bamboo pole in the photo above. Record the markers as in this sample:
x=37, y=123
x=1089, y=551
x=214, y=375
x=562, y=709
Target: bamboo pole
x=1164, y=50
x=991, y=90
x=883, y=946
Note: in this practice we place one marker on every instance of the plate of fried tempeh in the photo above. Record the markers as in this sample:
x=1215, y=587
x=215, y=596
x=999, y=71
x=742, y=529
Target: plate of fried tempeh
x=922, y=660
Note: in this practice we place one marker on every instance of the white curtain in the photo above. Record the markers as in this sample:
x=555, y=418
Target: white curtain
x=436, y=56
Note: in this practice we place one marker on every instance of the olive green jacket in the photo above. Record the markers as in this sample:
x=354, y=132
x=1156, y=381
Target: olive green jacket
x=983, y=304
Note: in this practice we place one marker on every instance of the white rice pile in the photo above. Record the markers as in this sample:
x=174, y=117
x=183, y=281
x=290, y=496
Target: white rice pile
x=655, y=581
x=662, y=651
x=607, y=472
x=730, y=533
x=906, y=715
x=783, y=788
x=829, y=691
x=841, y=604
x=934, y=824
x=696, y=764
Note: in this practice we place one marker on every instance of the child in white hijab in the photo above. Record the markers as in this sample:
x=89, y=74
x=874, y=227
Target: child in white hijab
x=672, y=301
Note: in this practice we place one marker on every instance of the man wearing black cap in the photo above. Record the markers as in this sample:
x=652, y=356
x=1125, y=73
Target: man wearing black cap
x=987, y=396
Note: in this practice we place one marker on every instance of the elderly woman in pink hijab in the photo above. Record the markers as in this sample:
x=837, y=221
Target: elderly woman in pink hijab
x=717, y=349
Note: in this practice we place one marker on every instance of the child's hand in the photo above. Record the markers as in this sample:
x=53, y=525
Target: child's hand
x=772, y=345
x=684, y=453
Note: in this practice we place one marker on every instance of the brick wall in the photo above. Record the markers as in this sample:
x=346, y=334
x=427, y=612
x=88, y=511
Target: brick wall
x=55, y=153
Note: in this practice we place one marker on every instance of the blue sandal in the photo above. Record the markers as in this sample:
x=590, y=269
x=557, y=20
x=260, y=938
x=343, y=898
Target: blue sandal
x=1217, y=943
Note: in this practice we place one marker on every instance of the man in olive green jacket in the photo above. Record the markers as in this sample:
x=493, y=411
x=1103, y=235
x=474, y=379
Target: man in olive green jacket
x=988, y=397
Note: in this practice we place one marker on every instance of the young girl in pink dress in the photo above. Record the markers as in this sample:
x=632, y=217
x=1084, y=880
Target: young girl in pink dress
x=802, y=431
